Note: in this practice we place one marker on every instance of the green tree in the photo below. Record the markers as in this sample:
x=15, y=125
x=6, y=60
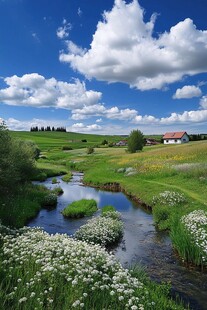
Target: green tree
x=135, y=141
x=17, y=161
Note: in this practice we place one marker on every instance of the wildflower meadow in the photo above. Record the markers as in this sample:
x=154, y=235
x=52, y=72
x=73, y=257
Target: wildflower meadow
x=42, y=271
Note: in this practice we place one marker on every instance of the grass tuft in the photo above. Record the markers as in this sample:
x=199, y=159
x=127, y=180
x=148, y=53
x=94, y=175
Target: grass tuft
x=80, y=208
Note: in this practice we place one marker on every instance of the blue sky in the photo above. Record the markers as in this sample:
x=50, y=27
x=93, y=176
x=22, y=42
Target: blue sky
x=104, y=66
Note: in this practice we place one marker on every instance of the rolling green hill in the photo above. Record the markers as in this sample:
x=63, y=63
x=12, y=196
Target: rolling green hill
x=55, y=139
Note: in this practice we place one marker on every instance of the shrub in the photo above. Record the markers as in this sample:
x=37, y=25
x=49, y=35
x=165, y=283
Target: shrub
x=169, y=198
x=110, y=212
x=83, y=140
x=42, y=176
x=57, y=191
x=107, y=209
x=66, y=148
x=90, y=150
x=50, y=200
x=161, y=215
x=54, y=180
x=101, y=230
x=104, y=142
x=80, y=208
x=67, y=177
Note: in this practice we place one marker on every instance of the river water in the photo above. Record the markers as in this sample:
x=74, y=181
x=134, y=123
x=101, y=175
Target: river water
x=141, y=242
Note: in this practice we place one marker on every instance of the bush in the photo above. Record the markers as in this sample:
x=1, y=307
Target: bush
x=54, y=180
x=67, y=148
x=90, y=150
x=42, y=176
x=104, y=142
x=57, y=191
x=107, y=209
x=83, y=140
x=101, y=230
x=50, y=201
x=161, y=215
x=169, y=198
x=80, y=208
x=67, y=177
x=17, y=162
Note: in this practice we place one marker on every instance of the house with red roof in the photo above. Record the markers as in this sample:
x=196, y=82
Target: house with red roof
x=175, y=137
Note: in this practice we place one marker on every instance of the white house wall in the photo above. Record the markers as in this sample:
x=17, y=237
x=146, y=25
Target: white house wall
x=184, y=139
x=172, y=141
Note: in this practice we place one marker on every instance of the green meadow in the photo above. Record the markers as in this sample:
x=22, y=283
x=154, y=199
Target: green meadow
x=40, y=271
x=48, y=140
x=177, y=169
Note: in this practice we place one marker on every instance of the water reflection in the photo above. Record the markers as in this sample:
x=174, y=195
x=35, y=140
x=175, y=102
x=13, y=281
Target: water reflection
x=141, y=242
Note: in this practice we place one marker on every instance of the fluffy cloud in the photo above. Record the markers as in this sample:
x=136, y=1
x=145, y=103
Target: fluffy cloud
x=203, y=102
x=131, y=54
x=101, y=110
x=199, y=116
x=20, y=125
x=36, y=91
x=63, y=31
x=80, y=127
x=187, y=92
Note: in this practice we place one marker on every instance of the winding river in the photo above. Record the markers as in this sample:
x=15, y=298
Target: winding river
x=141, y=243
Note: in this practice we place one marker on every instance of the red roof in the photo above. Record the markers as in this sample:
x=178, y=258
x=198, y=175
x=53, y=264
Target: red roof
x=174, y=135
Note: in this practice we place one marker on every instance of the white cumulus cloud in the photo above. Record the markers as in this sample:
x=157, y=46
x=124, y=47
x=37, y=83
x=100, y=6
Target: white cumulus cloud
x=80, y=127
x=203, y=102
x=187, y=92
x=101, y=110
x=132, y=55
x=198, y=116
x=36, y=91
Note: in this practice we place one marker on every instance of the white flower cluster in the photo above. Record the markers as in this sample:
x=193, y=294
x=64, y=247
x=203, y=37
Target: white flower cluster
x=196, y=224
x=46, y=270
x=103, y=230
x=169, y=198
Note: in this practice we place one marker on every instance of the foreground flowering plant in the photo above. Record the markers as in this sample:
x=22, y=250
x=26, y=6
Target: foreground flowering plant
x=103, y=230
x=41, y=271
x=196, y=225
x=169, y=198
x=39, y=266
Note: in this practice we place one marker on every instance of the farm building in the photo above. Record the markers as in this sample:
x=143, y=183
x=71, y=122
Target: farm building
x=176, y=137
x=122, y=143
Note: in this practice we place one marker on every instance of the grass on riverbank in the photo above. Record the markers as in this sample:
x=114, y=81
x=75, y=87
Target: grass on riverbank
x=80, y=208
x=180, y=169
x=16, y=211
x=42, y=271
x=177, y=168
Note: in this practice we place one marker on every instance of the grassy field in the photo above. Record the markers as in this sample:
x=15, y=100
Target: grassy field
x=157, y=170
x=179, y=169
x=40, y=271
x=49, y=139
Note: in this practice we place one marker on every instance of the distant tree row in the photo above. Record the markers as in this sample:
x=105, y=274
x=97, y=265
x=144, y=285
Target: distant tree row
x=48, y=128
x=197, y=137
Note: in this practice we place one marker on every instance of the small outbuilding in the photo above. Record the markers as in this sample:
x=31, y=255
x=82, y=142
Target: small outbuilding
x=122, y=143
x=175, y=137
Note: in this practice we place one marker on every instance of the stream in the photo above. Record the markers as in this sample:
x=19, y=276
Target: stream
x=141, y=242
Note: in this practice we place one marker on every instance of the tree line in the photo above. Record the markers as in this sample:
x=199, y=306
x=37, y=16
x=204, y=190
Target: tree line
x=48, y=128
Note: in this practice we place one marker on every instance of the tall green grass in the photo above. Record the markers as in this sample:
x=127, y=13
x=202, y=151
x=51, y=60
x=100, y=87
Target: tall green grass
x=16, y=211
x=183, y=242
x=80, y=208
